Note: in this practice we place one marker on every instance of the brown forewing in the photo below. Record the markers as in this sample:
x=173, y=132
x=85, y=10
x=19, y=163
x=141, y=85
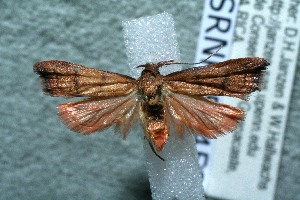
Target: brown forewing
x=60, y=78
x=235, y=78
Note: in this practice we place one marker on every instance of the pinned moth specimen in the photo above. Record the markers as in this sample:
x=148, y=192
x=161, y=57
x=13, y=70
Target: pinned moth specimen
x=158, y=101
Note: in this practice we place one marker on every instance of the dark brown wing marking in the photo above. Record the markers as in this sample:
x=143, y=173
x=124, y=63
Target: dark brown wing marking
x=60, y=78
x=235, y=78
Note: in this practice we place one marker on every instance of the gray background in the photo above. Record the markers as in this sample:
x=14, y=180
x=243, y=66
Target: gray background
x=39, y=157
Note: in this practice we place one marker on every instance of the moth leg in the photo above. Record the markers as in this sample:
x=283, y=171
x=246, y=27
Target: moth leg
x=152, y=148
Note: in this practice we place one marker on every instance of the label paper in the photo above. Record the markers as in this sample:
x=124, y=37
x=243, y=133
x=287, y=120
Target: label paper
x=244, y=164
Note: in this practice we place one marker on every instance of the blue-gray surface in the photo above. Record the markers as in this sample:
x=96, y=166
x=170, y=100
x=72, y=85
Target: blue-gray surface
x=39, y=157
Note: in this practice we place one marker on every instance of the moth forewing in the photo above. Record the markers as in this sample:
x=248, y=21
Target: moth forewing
x=60, y=78
x=235, y=78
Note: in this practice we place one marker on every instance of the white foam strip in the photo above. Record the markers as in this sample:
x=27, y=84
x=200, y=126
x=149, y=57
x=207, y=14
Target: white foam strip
x=153, y=39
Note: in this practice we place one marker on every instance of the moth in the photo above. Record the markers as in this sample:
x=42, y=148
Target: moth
x=158, y=101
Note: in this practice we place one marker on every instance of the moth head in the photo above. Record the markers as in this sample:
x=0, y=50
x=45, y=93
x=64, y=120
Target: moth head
x=155, y=66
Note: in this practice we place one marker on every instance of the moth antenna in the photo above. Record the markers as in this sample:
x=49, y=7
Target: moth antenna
x=202, y=61
x=171, y=62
